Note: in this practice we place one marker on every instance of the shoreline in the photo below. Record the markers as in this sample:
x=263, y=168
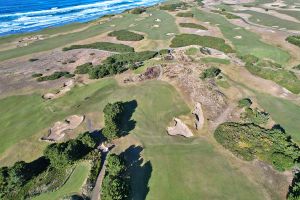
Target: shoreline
x=76, y=21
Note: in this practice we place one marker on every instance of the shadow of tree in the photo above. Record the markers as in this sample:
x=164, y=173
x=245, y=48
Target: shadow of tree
x=127, y=124
x=139, y=172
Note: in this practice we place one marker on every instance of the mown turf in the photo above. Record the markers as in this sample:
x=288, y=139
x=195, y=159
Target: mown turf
x=181, y=168
x=72, y=186
x=250, y=43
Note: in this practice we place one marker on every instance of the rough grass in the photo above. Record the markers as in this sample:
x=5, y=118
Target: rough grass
x=249, y=44
x=192, y=25
x=125, y=35
x=72, y=186
x=106, y=46
x=215, y=60
x=292, y=13
x=206, y=41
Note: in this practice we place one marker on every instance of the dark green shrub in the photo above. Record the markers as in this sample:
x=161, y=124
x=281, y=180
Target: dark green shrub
x=294, y=189
x=36, y=75
x=186, y=14
x=33, y=59
x=55, y=75
x=83, y=69
x=206, y=41
x=297, y=67
x=210, y=73
x=125, y=35
x=294, y=39
x=138, y=11
x=255, y=116
x=173, y=7
x=246, y=102
x=192, y=25
x=106, y=46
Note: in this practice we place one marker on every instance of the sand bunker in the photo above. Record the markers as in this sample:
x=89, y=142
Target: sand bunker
x=199, y=118
x=57, y=131
x=238, y=37
x=64, y=89
x=179, y=129
x=155, y=26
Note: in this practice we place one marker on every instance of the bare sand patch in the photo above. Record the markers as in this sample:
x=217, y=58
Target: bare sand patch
x=179, y=128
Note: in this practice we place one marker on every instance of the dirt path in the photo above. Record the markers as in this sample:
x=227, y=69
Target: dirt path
x=96, y=191
x=223, y=117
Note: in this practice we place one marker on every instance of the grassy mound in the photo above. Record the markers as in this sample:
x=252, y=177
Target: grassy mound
x=173, y=7
x=125, y=35
x=250, y=141
x=106, y=46
x=206, y=41
x=226, y=14
x=192, y=25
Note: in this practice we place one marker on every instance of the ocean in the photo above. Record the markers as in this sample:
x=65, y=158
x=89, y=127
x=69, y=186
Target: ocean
x=22, y=16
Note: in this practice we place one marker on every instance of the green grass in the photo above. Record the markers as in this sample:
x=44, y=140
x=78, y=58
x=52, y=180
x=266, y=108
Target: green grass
x=185, y=14
x=284, y=112
x=205, y=41
x=72, y=186
x=192, y=25
x=192, y=51
x=269, y=20
x=215, y=60
x=249, y=44
x=195, y=171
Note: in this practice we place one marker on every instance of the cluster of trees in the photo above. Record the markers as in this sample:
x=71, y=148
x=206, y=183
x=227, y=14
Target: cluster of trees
x=112, y=118
x=272, y=71
x=125, y=35
x=120, y=62
x=24, y=180
x=54, y=76
x=211, y=72
x=106, y=46
x=115, y=185
x=251, y=141
x=294, y=39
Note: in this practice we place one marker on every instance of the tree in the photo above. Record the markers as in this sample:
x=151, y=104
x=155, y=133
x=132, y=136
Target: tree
x=112, y=118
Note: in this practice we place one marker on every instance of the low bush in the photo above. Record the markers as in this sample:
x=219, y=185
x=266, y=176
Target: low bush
x=255, y=116
x=173, y=7
x=36, y=75
x=250, y=141
x=246, y=102
x=125, y=35
x=206, y=41
x=33, y=59
x=106, y=46
x=137, y=11
x=83, y=69
x=294, y=39
x=297, y=67
x=210, y=73
x=54, y=76
x=192, y=25
x=185, y=14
